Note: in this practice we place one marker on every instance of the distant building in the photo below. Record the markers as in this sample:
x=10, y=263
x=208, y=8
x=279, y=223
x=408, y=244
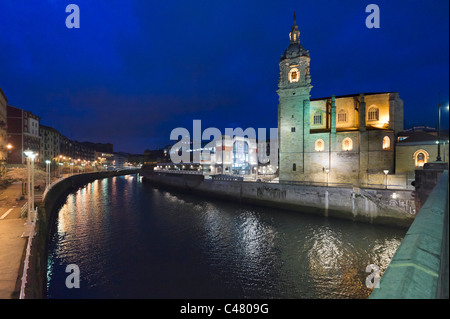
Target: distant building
x=76, y=151
x=82, y=152
x=417, y=147
x=155, y=156
x=228, y=155
x=100, y=147
x=50, y=143
x=120, y=158
x=23, y=133
x=104, y=158
x=136, y=159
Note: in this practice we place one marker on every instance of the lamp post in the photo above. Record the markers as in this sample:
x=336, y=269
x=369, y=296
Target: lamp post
x=30, y=186
x=438, y=158
x=327, y=170
x=386, y=174
x=47, y=171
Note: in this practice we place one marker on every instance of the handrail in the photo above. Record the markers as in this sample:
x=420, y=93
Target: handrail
x=27, y=255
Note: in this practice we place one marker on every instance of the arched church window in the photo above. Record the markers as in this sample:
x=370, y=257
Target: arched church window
x=386, y=143
x=347, y=144
x=319, y=146
x=342, y=116
x=294, y=75
x=374, y=114
x=420, y=158
x=317, y=119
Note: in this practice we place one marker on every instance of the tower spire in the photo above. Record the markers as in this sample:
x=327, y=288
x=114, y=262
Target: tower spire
x=295, y=33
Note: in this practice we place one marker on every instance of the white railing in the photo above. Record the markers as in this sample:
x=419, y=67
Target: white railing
x=178, y=172
x=31, y=234
x=23, y=210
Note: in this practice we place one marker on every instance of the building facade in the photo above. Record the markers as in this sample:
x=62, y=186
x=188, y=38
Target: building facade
x=338, y=139
x=23, y=134
x=31, y=137
x=50, y=143
x=415, y=148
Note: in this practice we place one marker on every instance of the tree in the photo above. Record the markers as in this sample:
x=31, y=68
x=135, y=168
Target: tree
x=21, y=174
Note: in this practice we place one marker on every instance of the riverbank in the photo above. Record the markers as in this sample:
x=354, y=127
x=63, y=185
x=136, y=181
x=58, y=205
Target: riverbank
x=378, y=206
x=47, y=214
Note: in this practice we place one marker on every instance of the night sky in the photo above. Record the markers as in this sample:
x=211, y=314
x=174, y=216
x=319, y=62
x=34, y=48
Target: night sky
x=135, y=70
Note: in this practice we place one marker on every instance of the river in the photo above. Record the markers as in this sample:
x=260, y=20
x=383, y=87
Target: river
x=131, y=240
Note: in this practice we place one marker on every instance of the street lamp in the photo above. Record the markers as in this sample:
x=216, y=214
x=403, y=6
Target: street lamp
x=30, y=186
x=438, y=159
x=47, y=171
x=386, y=171
x=327, y=170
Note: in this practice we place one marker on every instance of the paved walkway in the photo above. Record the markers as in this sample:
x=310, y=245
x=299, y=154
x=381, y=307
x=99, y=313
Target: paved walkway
x=12, y=245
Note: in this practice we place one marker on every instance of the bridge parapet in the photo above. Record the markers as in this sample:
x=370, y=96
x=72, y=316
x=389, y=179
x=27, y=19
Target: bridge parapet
x=419, y=268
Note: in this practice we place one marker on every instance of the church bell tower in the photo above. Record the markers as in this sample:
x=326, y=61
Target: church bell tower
x=294, y=87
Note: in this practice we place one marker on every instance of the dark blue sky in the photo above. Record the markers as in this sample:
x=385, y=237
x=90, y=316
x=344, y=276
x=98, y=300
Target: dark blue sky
x=137, y=69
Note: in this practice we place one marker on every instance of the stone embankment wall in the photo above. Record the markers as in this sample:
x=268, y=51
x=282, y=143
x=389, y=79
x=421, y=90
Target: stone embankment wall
x=47, y=213
x=381, y=206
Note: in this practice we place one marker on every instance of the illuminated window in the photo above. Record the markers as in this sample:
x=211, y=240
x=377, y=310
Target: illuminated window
x=342, y=116
x=320, y=145
x=374, y=114
x=386, y=143
x=294, y=75
x=420, y=158
x=317, y=120
x=347, y=144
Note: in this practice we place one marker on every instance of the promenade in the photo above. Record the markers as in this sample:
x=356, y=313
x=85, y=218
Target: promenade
x=12, y=244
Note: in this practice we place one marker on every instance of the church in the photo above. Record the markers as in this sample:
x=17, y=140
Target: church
x=336, y=140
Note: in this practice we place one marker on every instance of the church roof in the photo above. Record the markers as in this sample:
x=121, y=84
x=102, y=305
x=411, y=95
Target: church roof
x=349, y=95
x=294, y=50
x=421, y=137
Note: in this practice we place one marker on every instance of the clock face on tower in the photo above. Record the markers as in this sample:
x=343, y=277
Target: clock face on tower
x=294, y=75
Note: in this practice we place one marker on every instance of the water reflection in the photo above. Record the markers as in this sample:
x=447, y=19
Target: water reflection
x=134, y=241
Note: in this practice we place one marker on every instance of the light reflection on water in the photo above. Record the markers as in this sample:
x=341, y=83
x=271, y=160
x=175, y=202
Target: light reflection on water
x=133, y=241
